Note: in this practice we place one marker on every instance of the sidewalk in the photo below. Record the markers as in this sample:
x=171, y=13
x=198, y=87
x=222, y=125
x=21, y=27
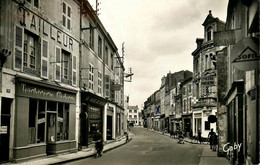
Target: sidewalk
x=63, y=158
x=208, y=157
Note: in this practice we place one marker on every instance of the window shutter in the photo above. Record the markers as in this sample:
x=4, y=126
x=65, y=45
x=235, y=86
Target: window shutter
x=18, y=56
x=74, y=70
x=44, y=59
x=58, y=64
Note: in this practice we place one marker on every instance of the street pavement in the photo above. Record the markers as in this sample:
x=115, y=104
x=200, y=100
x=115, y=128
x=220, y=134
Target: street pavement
x=146, y=147
x=149, y=148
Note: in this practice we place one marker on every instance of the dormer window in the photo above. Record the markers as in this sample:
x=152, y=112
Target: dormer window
x=209, y=33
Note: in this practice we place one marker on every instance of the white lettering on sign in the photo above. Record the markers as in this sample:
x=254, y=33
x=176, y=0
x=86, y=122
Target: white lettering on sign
x=40, y=92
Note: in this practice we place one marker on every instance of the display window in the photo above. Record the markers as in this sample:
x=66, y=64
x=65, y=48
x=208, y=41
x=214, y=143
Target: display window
x=51, y=115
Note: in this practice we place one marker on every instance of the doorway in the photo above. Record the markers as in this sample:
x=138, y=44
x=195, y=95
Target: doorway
x=109, y=127
x=5, y=129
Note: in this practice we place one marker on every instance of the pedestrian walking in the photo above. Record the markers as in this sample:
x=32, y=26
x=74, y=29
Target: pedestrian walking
x=210, y=136
x=214, y=142
x=199, y=136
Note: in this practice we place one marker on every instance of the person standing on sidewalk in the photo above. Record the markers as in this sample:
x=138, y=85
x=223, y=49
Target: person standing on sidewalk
x=199, y=136
x=210, y=136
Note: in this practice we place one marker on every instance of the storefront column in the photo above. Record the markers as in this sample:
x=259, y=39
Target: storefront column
x=105, y=123
x=114, y=123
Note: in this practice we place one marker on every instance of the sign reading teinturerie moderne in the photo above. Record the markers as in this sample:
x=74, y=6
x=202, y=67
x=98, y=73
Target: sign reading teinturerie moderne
x=40, y=92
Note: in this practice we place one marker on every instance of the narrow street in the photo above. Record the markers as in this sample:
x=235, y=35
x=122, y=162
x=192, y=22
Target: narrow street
x=148, y=148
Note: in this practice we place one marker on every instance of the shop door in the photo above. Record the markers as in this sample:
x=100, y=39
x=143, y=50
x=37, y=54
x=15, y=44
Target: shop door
x=5, y=129
x=109, y=127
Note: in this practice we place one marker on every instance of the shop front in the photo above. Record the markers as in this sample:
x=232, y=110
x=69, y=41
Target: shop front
x=45, y=117
x=91, y=117
x=186, y=120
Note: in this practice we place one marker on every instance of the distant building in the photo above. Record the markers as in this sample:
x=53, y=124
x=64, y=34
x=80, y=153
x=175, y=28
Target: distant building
x=204, y=77
x=133, y=115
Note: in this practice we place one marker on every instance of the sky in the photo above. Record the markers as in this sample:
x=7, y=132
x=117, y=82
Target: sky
x=159, y=37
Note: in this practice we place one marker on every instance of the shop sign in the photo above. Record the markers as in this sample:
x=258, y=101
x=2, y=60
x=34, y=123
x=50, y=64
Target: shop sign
x=38, y=25
x=3, y=130
x=245, y=55
x=208, y=81
x=40, y=92
x=197, y=115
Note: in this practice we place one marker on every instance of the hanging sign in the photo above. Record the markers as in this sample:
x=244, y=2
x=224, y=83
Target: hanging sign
x=245, y=55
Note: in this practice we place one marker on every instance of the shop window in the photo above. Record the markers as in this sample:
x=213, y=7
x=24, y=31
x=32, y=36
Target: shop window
x=207, y=125
x=32, y=121
x=41, y=121
x=63, y=122
x=66, y=16
x=36, y=121
x=52, y=106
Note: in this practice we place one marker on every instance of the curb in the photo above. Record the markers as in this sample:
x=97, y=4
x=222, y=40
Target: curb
x=93, y=154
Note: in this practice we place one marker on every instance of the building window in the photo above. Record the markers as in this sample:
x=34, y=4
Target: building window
x=99, y=82
x=184, y=105
x=65, y=65
x=206, y=62
x=130, y=111
x=184, y=90
x=190, y=104
x=209, y=34
x=135, y=116
x=99, y=47
x=29, y=54
x=189, y=88
x=66, y=16
x=91, y=36
x=107, y=85
x=130, y=116
x=106, y=55
x=91, y=77
x=207, y=125
x=112, y=61
x=135, y=111
x=35, y=3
